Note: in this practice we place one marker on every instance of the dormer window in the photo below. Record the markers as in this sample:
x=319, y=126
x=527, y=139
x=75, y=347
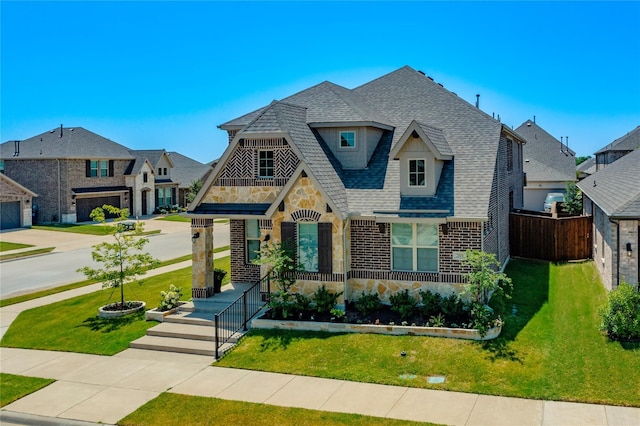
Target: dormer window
x=348, y=139
x=417, y=174
x=265, y=164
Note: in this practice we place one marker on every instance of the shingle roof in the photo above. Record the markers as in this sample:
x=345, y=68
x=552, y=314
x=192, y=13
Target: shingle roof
x=75, y=142
x=545, y=157
x=186, y=170
x=615, y=188
x=394, y=101
x=628, y=142
x=587, y=166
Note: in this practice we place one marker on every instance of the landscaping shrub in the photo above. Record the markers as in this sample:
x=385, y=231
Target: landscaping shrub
x=403, y=304
x=430, y=303
x=621, y=314
x=324, y=300
x=368, y=303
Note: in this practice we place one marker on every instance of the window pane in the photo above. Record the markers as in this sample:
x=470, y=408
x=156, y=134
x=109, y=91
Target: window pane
x=402, y=259
x=401, y=234
x=427, y=259
x=308, y=246
x=104, y=168
x=253, y=247
x=347, y=139
x=253, y=231
x=427, y=235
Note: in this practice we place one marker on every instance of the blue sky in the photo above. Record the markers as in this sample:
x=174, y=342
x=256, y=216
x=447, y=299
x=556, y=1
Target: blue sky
x=166, y=74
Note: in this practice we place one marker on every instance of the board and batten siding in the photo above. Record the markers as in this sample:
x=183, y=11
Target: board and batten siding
x=367, y=139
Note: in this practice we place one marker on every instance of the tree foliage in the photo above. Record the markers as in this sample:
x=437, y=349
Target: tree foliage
x=572, y=199
x=621, y=314
x=122, y=260
x=582, y=159
x=281, y=258
x=485, y=279
x=194, y=187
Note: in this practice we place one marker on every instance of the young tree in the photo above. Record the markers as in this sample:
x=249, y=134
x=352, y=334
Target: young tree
x=572, y=199
x=122, y=260
x=194, y=187
x=282, y=260
x=485, y=279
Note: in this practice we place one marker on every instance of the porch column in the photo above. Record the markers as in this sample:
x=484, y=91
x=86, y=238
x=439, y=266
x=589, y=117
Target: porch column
x=202, y=258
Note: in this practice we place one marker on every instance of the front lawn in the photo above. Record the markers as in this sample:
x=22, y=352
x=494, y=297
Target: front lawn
x=174, y=409
x=15, y=387
x=7, y=246
x=89, y=229
x=550, y=348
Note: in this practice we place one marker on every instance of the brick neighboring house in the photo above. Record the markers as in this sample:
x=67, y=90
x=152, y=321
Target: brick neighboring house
x=15, y=204
x=74, y=170
x=381, y=188
x=618, y=149
x=612, y=197
x=548, y=165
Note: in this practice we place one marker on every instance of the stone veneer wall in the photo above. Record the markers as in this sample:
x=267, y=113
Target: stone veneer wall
x=202, y=259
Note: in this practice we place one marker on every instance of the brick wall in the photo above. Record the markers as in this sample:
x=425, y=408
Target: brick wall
x=459, y=237
x=241, y=271
x=370, y=248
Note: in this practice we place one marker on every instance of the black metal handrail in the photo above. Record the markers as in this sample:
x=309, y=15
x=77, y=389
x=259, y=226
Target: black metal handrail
x=237, y=315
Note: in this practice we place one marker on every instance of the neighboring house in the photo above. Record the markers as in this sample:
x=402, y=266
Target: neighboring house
x=618, y=149
x=186, y=170
x=548, y=165
x=612, y=197
x=74, y=170
x=15, y=204
x=380, y=188
x=165, y=186
x=586, y=168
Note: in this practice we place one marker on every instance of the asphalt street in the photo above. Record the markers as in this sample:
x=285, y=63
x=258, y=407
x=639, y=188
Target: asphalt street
x=73, y=251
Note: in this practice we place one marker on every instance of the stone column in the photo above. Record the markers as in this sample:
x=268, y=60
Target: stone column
x=202, y=258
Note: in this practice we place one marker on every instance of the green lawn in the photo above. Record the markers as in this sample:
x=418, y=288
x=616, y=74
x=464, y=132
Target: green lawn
x=174, y=218
x=173, y=409
x=7, y=246
x=8, y=256
x=93, y=229
x=47, y=292
x=15, y=387
x=73, y=325
x=550, y=349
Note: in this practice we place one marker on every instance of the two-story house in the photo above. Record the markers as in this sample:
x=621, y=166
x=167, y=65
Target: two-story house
x=380, y=188
x=74, y=170
x=548, y=165
x=618, y=149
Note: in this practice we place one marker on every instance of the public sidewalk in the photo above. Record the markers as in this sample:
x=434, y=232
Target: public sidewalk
x=104, y=389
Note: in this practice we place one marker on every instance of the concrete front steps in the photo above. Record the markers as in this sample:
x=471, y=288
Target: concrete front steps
x=190, y=330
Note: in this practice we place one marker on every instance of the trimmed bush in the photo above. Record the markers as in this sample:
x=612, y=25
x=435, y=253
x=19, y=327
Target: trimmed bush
x=621, y=314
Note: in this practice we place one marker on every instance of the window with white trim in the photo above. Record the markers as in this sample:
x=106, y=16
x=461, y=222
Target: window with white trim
x=417, y=172
x=265, y=164
x=348, y=139
x=414, y=247
x=252, y=233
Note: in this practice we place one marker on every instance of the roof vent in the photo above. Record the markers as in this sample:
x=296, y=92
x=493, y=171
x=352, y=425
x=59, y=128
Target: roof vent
x=478, y=100
x=421, y=72
x=528, y=124
x=440, y=84
x=430, y=78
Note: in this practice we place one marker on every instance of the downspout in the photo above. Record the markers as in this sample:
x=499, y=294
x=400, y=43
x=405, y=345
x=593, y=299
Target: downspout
x=59, y=192
x=617, y=252
x=344, y=258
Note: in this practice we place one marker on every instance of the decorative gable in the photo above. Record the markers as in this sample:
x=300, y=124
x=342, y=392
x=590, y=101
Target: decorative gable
x=422, y=151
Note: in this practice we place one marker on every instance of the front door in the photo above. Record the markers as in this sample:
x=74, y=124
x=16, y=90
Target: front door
x=144, y=203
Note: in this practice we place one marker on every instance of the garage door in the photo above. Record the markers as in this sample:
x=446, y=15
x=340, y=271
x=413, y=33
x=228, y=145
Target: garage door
x=10, y=213
x=84, y=206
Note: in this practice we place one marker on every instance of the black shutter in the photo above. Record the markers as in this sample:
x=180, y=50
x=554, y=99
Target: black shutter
x=325, y=244
x=87, y=168
x=288, y=235
x=173, y=196
x=110, y=168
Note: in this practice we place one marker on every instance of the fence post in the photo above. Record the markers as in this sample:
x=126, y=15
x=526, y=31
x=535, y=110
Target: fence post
x=244, y=310
x=216, y=334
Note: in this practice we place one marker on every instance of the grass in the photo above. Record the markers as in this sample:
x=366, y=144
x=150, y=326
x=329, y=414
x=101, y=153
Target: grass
x=72, y=325
x=9, y=256
x=550, y=349
x=83, y=229
x=60, y=289
x=7, y=246
x=175, y=409
x=15, y=387
x=178, y=218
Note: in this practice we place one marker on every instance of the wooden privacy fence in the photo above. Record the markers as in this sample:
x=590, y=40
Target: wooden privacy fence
x=548, y=238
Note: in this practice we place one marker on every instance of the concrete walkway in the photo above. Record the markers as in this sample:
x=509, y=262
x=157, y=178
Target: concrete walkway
x=104, y=389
